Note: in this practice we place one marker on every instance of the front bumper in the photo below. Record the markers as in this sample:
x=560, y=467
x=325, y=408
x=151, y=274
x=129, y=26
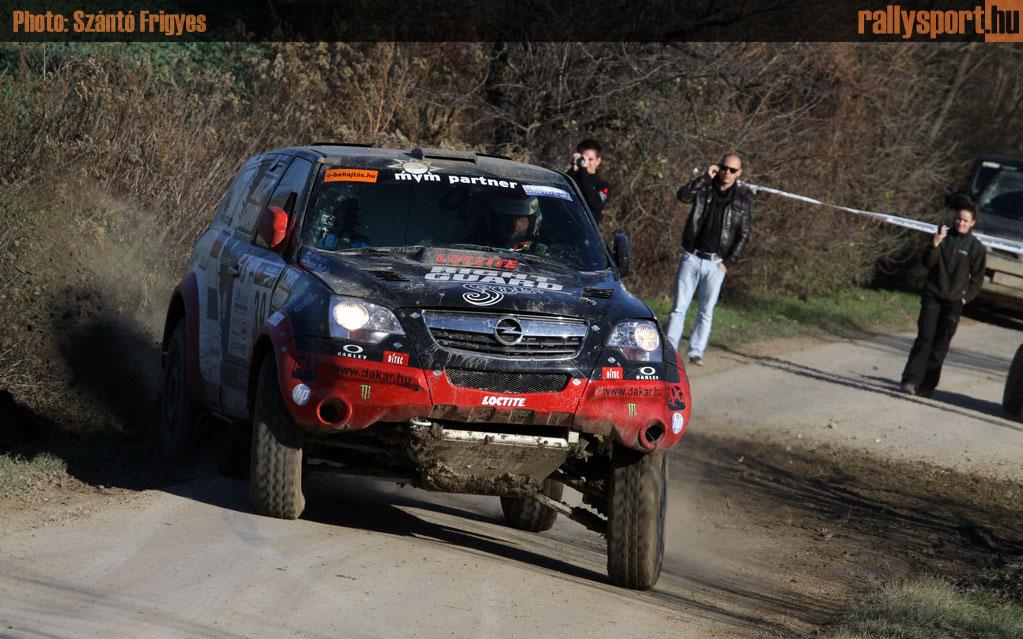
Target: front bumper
x=349, y=391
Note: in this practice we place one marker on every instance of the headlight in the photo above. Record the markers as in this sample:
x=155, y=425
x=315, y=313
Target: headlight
x=361, y=321
x=639, y=340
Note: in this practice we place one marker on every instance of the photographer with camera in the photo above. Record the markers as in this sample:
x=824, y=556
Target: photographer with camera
x=585, y=162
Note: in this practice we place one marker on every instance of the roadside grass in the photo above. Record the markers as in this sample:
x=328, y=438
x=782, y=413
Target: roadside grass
x=928, y=608
x=847, y=313
x=19, y=473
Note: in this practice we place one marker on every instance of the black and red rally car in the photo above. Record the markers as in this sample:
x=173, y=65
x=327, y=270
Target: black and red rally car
x=441, y=318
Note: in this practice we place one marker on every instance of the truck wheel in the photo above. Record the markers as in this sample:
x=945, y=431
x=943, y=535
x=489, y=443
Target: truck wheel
x=526, y=514
x=637, y=493
x=178, y=415
x=275, y=477
x=1012, y=399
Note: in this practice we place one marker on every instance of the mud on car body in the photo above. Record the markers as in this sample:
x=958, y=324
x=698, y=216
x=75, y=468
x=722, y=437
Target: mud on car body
x=440, y=318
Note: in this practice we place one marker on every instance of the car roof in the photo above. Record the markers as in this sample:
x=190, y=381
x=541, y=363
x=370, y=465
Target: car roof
x=1001, y=159
x=354, y=155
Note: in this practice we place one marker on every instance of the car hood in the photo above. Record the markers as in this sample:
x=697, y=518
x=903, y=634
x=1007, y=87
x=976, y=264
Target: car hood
x=426, y=278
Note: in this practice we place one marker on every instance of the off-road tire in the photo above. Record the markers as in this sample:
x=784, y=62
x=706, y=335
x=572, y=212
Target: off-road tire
x=178, y=414
x=275, y=475
x=637, y=494
x=1012, y=399
x=525, y=513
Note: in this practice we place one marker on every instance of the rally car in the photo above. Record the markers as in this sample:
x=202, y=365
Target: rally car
x=440, y=318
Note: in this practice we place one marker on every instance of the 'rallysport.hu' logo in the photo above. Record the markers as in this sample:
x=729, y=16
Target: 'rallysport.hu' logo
x=997, y=21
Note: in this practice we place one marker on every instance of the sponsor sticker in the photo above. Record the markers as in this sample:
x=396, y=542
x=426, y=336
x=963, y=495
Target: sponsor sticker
x=627, y=391
x=301, y=394
x=365, y=390
x=275, y=319
x=647, y=372
x=632, y=410
x=513, y=282
x=479, y=180
x=352, y=351
x=612, y=372
x=505, y=402
x=546, y=191
x=677, y=423
x=676, y=400
x=391, y=357
x=350, y=175
x=482, y=261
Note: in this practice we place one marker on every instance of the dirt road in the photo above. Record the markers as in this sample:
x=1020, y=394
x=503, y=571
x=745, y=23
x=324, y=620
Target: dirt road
x=778, y=513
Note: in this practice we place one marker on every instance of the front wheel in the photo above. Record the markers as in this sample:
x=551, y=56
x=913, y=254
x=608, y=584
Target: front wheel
x=637, y=494
x=525, y=513
x=275, y=475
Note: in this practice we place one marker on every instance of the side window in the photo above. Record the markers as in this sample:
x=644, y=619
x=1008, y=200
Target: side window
x=292, y=186
x=231, y=204
x=268, y=170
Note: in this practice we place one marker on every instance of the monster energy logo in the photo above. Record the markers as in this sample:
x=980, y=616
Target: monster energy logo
x=365, y=391
x=632, y=410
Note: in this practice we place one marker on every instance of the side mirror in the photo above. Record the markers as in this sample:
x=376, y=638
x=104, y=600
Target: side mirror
x=273, y=227
x=621, y=253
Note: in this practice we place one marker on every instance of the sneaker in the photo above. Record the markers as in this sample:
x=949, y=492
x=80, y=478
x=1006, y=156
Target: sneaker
x=696, y=360
x=907, y=388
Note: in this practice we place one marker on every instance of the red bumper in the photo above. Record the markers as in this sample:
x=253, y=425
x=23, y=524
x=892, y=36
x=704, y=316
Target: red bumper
x=350, y=394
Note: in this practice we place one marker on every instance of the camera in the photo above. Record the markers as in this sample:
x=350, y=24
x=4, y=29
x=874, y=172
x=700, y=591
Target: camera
x=581, y=163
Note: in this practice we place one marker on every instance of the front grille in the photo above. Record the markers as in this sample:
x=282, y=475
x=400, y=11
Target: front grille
x=529, y=346
x=500, y=382
x=477, y=333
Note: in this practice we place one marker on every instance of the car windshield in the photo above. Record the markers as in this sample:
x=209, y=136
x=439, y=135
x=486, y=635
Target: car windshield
x=1004, y=195
x=988, y=170
x=414, y=205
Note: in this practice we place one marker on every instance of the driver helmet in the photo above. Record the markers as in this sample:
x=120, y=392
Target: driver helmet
x=513, y=219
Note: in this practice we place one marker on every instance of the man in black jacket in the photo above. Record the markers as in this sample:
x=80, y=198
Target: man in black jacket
x=585, y=162
x=955, y=273
x=714, y=237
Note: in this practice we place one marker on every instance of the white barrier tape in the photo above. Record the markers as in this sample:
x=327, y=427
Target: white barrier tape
x=1002, y=244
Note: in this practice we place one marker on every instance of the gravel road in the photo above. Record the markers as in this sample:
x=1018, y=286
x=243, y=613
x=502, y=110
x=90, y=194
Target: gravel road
x=753, y=549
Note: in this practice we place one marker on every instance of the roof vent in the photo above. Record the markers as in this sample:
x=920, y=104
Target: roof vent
x=443, y=154
x=602, y=293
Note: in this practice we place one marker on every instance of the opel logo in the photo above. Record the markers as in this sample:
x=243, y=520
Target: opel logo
x=508, y=331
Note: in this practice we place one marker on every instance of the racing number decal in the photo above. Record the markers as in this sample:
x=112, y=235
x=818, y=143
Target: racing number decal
x=250, y=302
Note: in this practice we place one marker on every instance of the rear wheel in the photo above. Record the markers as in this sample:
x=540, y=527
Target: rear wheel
x=275, y=475
x=636, y=499
x=178, y=414
x=1012, y=399
x=525, y=513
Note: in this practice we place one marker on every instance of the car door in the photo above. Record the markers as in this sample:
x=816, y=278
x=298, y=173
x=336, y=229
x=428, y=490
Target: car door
x=207, y=261
x=248, y=272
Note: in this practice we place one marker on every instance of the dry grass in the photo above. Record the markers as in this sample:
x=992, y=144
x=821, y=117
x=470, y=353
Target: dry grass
x=930, y=609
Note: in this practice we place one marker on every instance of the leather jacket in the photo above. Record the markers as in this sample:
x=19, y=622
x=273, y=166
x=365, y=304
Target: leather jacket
x=735, y=227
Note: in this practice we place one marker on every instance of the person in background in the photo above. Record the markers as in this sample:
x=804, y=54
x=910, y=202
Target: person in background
x=586, y=162
x=714, y=237
x=955, y=272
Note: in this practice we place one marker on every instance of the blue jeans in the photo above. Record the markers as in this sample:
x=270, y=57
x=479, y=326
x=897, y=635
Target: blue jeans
x=703, y=277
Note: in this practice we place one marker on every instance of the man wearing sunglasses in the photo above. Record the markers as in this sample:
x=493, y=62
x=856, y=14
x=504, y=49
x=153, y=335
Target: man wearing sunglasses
x=714, y=237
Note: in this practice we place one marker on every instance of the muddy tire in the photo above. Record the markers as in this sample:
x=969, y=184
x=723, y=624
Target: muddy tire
x=1012, y=399
x=637, y=494
x=275, y=475
x=178, y=414
x=525, y=513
